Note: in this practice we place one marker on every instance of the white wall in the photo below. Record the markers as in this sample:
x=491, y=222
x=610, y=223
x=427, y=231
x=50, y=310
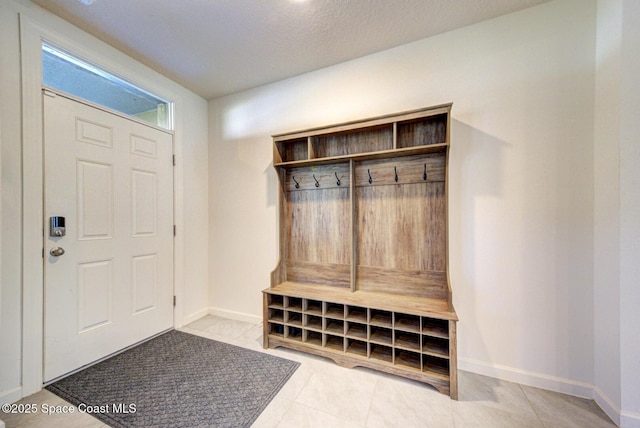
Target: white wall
x=10, y=289
x=191, y=137
x=617, y=212
x=607, y=207
x=630, y=215
x=521, y=181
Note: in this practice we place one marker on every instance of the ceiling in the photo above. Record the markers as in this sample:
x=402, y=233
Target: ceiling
x=218, y=47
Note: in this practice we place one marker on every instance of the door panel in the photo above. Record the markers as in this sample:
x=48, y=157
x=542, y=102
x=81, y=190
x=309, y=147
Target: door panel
x=112, y=180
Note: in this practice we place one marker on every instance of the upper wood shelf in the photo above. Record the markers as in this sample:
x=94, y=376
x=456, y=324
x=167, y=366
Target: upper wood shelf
x=372, y=122
x=382, y=154
x=405, y=134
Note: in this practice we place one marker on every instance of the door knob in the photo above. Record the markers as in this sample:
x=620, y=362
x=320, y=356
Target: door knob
x=56, y=251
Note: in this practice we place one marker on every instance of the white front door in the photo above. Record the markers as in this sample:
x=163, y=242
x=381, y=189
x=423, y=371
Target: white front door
x=112, y=180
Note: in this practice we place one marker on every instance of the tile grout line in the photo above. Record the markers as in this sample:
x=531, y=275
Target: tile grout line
x=366, y=418
x=535, y=412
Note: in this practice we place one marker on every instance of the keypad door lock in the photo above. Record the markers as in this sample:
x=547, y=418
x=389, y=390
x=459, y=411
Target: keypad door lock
x=56, y=227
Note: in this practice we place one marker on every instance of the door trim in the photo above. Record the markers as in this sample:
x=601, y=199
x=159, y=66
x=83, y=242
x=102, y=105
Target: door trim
x=31, y=36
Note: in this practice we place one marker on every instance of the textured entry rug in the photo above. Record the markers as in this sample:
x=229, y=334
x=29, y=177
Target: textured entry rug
x=178, y=380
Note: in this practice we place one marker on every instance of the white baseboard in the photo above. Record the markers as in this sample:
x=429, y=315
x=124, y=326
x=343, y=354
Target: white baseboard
x=607, y=406
x=10, y=396
x=238, y=316
x=629, y=420
x=553, y=383
x=193, y=317
x=525, y=377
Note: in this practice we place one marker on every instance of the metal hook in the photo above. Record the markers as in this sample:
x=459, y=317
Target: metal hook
x=370, y=179
x=395, y=172
x=317, y=183
x=424, y=176
x=337, y=178
x=294, y=179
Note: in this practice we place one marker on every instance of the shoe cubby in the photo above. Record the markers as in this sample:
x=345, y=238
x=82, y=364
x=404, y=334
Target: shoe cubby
x=405, y=322
x=293, y=333
x=275, y=329
x=380, y=318
x=381, y=353
x=435, y=327
x=334, y=310
x=293, y=318
x=407, y=341
x=313, y=338
x=334, y=326
x=293, y=304
x=356, y=314
x=356, y=330
x=435, y=347
x=407, y=360
x=275, y=302
x=380, y=335
x=357, y=348
x=412, y=345
x=313, y=307
x=276, y=315
x=333, y=342
x=313, y=322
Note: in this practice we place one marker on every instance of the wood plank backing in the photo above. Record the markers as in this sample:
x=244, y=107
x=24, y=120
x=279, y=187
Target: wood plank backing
x=336, y=275
x=425, y=131
x=402, y=227
x=411, y=282
x=327, y=176
x=352, y=142
x=318, y=223
x=408, y=169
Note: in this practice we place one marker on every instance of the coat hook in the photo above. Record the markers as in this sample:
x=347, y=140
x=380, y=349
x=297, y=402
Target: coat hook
x=337, y=178
x=317, y=184
x=424, y=176
x=395, y=172
x=370, y=179
x=294, y=179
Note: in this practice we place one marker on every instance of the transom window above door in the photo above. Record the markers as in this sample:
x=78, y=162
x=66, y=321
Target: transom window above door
x=63, y=71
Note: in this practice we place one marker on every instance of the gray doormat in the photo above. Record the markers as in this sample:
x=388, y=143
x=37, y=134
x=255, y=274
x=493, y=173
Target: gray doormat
x=178, y=380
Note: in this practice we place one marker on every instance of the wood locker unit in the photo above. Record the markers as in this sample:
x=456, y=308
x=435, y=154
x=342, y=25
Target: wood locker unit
x=363, y=276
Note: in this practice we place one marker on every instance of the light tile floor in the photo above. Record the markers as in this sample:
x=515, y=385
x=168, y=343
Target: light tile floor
x=322, y=394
